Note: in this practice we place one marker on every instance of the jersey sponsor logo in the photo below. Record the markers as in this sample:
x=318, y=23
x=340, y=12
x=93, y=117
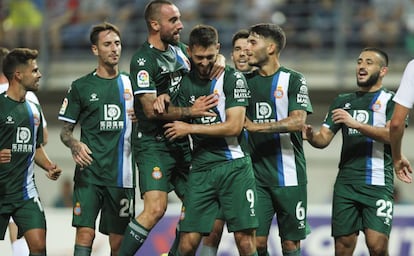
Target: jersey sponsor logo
x=143, y=79
x=175, y=79
x=112, y=118
x=23, y=135
x=263, y=110
x=156, y=173
x=279, y=92
x=241, y=91
x=23, y=141
x=77, y=210
x=63, y=107
x=361, y=116
x=302, y=99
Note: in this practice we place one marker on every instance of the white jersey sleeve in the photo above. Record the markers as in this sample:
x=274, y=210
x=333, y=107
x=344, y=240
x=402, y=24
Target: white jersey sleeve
x=405, y=93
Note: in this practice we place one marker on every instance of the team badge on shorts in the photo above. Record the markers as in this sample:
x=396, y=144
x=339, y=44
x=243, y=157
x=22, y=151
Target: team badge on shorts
x=182, y=215
x=77, y=210
x=156, y=173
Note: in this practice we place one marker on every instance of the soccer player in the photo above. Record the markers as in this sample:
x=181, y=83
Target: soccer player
x=221, y=173
x=104, y=175
x=19, y=245
x=363, y=191
x=277, y=111
x=211, y=242
x=404, y=102
x=21, y=146
x=157, y=68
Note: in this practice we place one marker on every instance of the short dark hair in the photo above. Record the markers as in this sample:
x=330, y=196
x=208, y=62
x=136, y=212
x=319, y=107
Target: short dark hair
x=203, y=35
x=17, y=57
x=270, y=30
x=96, y=29
x=383, y=54
x=3, y=52
x=153, y=8
x=242, y=33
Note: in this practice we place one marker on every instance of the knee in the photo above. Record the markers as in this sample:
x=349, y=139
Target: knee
x=261, y=244
x=85, y=236
x=289, y=245
x=156, y=211
x=245, y=242
x=378, y=249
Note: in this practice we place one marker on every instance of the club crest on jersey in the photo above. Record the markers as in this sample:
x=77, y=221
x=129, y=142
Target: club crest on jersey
x=77, y=210
x=127, y=95
x=376, y=106
x=156, y=173
x=143, y=79
x=279, y=92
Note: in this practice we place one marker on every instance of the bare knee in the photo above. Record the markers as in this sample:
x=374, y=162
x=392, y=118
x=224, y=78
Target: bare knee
x=245, y=241
x=345, y=245
x=290, y=246
x=155, y=205
x=85, y=236
x=261, y=244
x=213, y=239
x=189, y=243
x=36, y=240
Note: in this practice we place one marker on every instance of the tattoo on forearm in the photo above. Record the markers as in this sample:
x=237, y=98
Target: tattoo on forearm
x=66, y=134
x=185, y=113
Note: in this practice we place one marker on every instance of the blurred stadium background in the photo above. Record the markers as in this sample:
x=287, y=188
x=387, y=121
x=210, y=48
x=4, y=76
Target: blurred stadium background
x=324, y=38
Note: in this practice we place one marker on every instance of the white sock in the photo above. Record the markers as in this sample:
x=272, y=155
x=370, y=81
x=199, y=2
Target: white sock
x=20, y=248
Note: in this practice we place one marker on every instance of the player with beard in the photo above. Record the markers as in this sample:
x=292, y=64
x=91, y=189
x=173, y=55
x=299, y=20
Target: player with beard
x=363, y=191
x=157, y=68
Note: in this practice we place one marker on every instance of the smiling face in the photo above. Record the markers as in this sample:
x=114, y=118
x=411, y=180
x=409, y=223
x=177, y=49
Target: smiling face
x=370, y=69
x=239, y=55
x=204, y=58
x=257, y=50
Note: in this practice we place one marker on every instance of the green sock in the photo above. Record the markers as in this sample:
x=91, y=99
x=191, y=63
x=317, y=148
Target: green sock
x=292, y=253
x=134, y=237
x=255, y=254
x=208, y=250
x=82, y=250
x=263, y=253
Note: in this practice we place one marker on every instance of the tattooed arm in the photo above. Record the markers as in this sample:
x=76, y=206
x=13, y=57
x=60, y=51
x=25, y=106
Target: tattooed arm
x=81, y=153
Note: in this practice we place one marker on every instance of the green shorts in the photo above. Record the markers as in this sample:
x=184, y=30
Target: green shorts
x=115, y=204
x=162, y=165
x=229, y=187
x=357, y=207
x=27, y=214
x=290, y=206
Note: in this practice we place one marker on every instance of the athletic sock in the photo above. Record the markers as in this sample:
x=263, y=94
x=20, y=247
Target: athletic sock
x=292, y=253
x=82, y=250
x=174, y=247
x=263, y=253
x=19, y=247
x=37, y=254
x=134, y=237
x=206, y=250
x=255, y=254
